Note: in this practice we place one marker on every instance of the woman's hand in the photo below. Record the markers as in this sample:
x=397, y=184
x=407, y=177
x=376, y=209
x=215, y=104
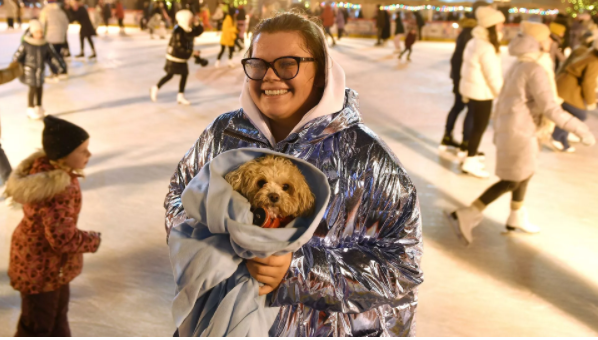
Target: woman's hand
x=269, y=271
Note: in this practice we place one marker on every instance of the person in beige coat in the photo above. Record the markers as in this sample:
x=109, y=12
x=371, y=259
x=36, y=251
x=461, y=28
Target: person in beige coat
x=526, y=100
x=12, y=12
x=481, y=81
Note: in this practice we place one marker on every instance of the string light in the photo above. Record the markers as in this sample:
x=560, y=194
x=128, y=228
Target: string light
x=395, y=7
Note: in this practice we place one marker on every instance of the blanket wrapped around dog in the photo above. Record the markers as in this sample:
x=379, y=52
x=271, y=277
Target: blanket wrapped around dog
x=215, y=294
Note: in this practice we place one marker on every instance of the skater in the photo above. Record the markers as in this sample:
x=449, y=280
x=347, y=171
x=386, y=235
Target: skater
x=11, y=8
x=557, y=33
x=340, y=23
x=79, y=14
x=180, y=49
x=318, y=121
x=158, y=21
x=119, y=13
x=328, y=19
x=254, y=19
x=106, y=13
x=528, y=98
x=577, y=87
x=46, y=251
x=383, y=26
x=56, y=24
x=218, y=16
x=34, y=53
x=467, y=24
x=227, y=40
x=399, y=32
x=409, y=41
x=481, y=81
x=241, y=16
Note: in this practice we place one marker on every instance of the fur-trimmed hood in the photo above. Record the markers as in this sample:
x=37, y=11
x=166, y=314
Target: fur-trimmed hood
x=35, y=180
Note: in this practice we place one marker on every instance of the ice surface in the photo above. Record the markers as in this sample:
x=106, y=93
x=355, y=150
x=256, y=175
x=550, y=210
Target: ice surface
x=524, y=285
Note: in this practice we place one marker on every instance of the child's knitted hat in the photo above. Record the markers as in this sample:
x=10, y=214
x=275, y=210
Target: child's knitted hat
x=60, y=137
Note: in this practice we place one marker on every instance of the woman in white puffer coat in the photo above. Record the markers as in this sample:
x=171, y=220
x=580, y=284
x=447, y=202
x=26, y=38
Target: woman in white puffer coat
x=481, y=81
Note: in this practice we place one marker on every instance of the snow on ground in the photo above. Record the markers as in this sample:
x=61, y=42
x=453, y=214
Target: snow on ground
x=522, y=285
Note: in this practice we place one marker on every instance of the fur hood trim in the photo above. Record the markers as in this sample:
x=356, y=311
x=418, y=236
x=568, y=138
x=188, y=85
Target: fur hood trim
x=25, y=188
x=35, y=42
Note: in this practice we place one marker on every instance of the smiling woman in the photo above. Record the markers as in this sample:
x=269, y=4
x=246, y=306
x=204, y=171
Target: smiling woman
x=358, y=275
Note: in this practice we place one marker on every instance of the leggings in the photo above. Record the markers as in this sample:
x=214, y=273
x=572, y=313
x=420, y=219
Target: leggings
x=340, y=33
x=518, y=190
x=231, y=49
x=480, y=111
x=82, y=40
x=327, y=31
x=408, y=49
x=35, y=94
x=169, y=76
x=458, y=106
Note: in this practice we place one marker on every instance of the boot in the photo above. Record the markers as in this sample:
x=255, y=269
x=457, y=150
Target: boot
x=180, y=99
x=463, y=221
x=154, y=93
x=33, y=114
x=518, y=220
x=473, y=166
x=447, y=142
x=80, y=55
x=40, y=111
x=93, y=55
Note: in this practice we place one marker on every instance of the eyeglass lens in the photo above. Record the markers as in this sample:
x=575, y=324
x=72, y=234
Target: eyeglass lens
x=286, y=68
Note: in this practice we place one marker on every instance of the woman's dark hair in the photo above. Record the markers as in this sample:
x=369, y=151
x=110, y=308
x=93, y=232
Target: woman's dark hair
x=493, y=36
x=309, y=29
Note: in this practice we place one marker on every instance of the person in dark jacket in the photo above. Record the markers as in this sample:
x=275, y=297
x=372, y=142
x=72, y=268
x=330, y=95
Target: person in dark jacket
x=180, y=49
x=79, y=14
x=34, y=53
x=467, y=24
x=409, y=41
x=399, y=32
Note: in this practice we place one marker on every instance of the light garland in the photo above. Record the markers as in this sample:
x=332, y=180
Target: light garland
x=395, y=7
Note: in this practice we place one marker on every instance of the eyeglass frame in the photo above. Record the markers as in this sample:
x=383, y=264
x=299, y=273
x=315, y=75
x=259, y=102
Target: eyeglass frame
x=269, y=65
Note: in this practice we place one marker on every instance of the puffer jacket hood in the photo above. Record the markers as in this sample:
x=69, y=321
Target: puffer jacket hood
x=523, y=44
x=332, y=100
x=25, y=186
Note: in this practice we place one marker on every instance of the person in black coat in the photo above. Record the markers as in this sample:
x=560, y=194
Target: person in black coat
x=33, y=54
x=180, y=49
x=467, y=24
x=79, y=14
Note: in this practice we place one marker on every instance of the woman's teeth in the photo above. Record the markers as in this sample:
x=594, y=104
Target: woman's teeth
x=275, y=92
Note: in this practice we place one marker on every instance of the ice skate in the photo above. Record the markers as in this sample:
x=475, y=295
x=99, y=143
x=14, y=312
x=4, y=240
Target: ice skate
x=518, y=220
x=93, y=56
x=33, y=114
x=63, y=76
x=463, y=221
x=217, y=64
x=40, y=111
x=154, y=93
x=573, y=138
x=80, y=55
x=448, y=143
x=180, y=99
x=474, y=167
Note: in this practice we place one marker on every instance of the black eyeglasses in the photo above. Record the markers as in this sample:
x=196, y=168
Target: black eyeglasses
x=286, y=68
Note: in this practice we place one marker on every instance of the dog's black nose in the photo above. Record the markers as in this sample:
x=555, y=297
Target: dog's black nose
x=273, y=197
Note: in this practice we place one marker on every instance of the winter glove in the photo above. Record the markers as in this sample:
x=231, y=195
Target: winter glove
x=591, y=107
x=465, y=100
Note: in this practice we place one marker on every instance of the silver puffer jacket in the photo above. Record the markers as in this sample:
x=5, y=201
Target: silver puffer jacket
x=358, y=275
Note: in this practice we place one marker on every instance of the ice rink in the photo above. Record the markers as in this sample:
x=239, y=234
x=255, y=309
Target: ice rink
x=502, y=285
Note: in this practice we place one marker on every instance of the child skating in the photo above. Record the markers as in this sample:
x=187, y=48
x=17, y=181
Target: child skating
x=227, y=40
x=47, y=248
x=33, y=54
x=180, y=49
x=409, y=41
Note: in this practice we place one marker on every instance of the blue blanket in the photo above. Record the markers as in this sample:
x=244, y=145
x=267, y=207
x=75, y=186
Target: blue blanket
x=215, y=294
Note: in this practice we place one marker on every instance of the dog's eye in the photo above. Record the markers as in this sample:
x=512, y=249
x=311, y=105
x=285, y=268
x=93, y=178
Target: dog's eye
x=285, y=187
x=261, y=183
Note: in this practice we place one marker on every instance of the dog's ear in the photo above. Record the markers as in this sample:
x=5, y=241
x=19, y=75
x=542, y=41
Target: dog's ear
x=306, y=199
x=242, y=179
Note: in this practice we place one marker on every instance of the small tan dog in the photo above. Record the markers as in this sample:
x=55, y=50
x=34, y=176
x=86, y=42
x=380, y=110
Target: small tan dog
x=275, y=188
